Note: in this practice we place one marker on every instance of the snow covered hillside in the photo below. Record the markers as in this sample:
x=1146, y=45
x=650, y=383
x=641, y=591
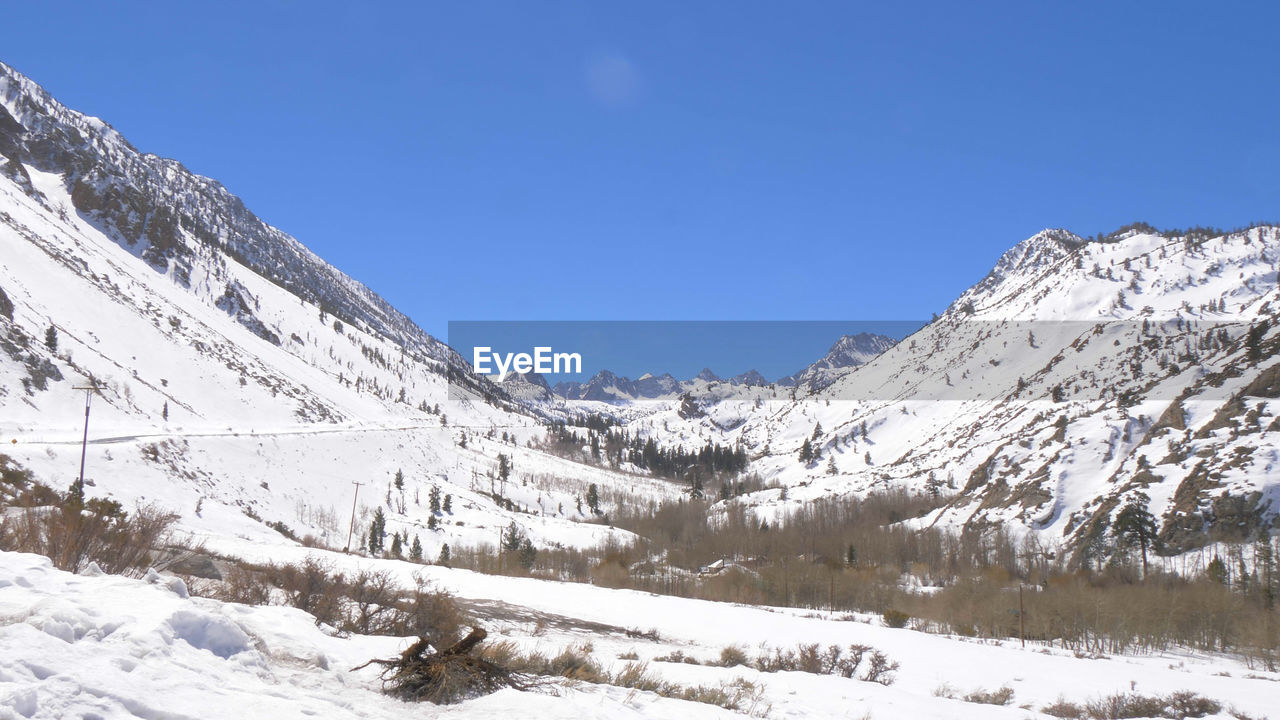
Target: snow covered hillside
x=105, y=646
x=264, y=397
x=243, y=380
x=245, y=376
x=1078, y=376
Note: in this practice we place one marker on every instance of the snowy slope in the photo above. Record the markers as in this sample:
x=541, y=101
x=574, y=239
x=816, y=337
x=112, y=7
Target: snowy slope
x=1076, y=377
x=241, y=376
x=244, y=378
x=111, y=647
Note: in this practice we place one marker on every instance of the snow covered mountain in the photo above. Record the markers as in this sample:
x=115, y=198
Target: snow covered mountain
x=246, y=381
x=848, y=351
x=1078, y=377
x=607, y=387
x=243, y=381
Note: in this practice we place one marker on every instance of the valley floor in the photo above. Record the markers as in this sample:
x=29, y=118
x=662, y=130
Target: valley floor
x=98, y=646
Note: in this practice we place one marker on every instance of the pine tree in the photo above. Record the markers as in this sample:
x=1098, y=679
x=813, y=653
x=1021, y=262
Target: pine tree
x=164, y=412
x=432, y=522
x=831, y=466
x=444, y=557
x=51, y=338
x=817, y=431
x=397, y=547
x=1216, y=570
x=512, y=537
x=415, y=550
x=806, y=452
x=1254, y=342
x=593, y=499
x=1264, y=564
x=433, y=500
x=504, y=467
x=377, y=532
x=528, y=554
x=75, y=495
x=1135, y=525
x=933, y=485
x=399, y=481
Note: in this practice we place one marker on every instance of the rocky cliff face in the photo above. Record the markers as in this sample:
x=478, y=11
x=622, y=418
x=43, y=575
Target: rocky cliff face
x=171, y=217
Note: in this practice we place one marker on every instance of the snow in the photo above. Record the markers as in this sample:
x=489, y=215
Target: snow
x=234, y=440
x=110, y=647
x=201, y=415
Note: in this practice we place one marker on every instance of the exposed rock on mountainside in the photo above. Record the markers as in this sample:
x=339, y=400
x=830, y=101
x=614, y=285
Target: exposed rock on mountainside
x=849, y=351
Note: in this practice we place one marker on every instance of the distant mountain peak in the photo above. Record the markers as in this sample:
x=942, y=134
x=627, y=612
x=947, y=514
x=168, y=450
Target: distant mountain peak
x=750, y=378
x=848, y=351
x=606, y=386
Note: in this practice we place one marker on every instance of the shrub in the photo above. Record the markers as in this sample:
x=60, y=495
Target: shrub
x=1003, y=696
x=832, y=661
x=285, y=530
x=101, y=532
x=1132, y=705
x=575, y=663
x=13, y=475
x=369, y=603
x=678, y=656
x=636, y=675
x=242, y=585
x=733, y=656
x=738, y=694
x=374, y=604
x=432, y=613
x=1186, y=704
x=880, y=669
x=895, y=618
x=1063, y=709
x=311, y=587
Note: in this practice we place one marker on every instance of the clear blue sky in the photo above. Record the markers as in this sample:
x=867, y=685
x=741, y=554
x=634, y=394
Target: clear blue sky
x=708, y=160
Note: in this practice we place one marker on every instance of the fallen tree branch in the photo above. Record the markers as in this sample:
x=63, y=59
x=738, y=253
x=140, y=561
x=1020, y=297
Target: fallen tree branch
x=445, y=676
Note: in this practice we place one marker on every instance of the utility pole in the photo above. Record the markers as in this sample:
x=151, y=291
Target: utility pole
x=89, y=391
x=351, y=530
